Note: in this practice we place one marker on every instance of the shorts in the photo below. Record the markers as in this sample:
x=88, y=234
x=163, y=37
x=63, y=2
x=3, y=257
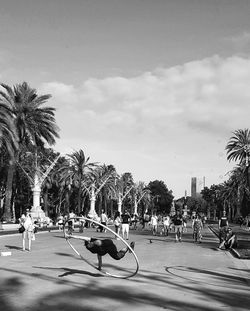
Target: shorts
x=177, y=228
x=125, y=228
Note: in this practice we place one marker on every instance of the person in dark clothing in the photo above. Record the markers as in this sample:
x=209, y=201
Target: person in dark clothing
x=125, y=217
x=102, y=247
x=223, y=226
x=177, y=220
x=230, y=240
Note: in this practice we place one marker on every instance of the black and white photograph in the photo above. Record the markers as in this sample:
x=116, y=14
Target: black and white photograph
x=125, y=155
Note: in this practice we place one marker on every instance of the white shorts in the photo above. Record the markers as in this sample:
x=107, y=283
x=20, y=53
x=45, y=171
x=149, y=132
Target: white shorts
x=125, y=228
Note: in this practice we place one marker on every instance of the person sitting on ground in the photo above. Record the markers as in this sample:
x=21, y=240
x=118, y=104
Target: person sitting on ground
x=230, y=240
x=102, y=247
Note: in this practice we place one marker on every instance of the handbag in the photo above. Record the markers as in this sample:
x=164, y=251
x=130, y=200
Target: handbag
x=21, y=229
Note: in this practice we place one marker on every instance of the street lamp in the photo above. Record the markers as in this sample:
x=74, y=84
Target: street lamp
x=247, y=150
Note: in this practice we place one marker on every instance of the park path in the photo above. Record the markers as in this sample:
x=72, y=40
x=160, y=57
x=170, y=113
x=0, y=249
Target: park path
x=172, y=276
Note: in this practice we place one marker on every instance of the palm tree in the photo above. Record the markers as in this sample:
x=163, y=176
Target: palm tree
x=141, y=194
x=35, y=125
x=238, y=148
x=8, y=134
x=239, y=190
x=75, y=171
x=104, y=181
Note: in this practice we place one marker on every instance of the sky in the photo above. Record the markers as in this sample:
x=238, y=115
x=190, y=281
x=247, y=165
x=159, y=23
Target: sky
x=154, y=87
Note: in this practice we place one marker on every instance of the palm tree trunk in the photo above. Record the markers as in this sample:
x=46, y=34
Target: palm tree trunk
x=8, y=193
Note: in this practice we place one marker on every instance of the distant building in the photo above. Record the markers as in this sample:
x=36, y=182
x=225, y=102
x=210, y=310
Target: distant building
x=193, y=187
x=197, y=185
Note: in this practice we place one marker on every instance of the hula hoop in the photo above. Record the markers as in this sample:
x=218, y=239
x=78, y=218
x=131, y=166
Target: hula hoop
x=118, y=236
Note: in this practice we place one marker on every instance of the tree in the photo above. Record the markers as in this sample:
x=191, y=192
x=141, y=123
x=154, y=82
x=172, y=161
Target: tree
x=141, y=197
x=35, y=125
x=162, y=197
x=75, y=171
x=8, y=134
x=238, y=149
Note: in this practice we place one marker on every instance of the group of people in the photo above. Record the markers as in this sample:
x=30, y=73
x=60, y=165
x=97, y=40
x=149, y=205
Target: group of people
x=163, y=224
x=122, y=222
x=227, y=237
x=178, y=223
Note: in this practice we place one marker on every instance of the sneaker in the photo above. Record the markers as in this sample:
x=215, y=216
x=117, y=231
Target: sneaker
x=132, y=245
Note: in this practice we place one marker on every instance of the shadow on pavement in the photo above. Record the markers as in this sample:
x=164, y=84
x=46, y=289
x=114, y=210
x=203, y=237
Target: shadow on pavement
x=92, y=295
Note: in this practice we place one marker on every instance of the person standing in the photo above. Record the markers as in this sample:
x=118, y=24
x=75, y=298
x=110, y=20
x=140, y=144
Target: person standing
x=103, y=220
x=154, y=223
x=125, y=217
x=60, y=222
x=145, y=220
x=166, y=224
x=71, y=222
x=223, y=226
x=27, y=234
x=117, y=223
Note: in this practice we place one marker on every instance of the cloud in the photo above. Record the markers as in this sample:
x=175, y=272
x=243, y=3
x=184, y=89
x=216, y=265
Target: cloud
x=210, y=92
x=170, y=117
x=241, y=41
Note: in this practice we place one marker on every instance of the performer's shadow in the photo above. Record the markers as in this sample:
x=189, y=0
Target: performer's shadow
x=69, y=271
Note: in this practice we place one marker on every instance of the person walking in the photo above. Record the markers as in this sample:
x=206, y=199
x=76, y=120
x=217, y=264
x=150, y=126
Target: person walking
x=178, y=223
x=125, y=217
x=117, y=223
x=197, y=226
x=27, y=223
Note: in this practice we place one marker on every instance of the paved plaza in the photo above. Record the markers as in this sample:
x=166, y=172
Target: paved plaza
x=172, y=276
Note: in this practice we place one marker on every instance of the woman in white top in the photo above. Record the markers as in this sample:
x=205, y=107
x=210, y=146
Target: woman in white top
x=154, y=223
x=27, y=222
x=166, y=224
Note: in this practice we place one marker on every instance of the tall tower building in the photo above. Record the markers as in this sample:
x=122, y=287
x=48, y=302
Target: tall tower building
x=193, y=187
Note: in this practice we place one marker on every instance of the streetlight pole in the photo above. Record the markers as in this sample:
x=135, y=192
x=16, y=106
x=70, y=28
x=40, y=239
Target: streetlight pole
x=247, y=149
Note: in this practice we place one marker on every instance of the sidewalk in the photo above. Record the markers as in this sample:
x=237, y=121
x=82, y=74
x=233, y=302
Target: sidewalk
x=172, y=276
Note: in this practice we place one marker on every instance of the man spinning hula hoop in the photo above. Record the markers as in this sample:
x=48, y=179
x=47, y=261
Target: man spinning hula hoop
x=102, y=247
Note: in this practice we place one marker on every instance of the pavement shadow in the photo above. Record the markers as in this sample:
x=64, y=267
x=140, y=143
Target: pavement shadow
x=84, y=296
x=69, y=271
x=13, y=247
x=65, y=254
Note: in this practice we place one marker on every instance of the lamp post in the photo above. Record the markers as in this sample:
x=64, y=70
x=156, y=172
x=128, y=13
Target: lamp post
x=247, y=150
